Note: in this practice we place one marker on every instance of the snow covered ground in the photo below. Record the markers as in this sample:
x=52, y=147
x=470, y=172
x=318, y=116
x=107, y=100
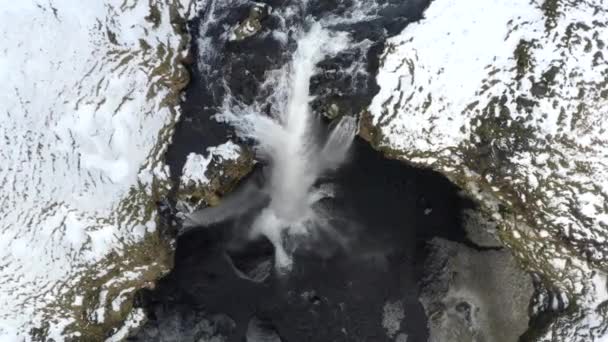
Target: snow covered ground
x=87, y=104
x=509, y=98
x=196, y=162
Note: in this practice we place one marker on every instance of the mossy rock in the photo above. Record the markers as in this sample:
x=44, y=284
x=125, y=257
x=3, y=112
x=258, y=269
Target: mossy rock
x=223, y=175
x=253, y=23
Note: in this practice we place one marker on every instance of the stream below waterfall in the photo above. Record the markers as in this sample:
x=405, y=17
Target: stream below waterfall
x=331, y=294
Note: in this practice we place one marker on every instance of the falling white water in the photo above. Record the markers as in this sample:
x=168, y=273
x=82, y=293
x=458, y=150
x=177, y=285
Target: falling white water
x=287, y=139
x=295, y=161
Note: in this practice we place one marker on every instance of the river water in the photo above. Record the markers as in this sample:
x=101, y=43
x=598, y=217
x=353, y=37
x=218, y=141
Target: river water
x=349, y=284
x=333, y=293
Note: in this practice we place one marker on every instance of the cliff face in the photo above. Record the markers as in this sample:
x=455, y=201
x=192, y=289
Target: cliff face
x=509, y=100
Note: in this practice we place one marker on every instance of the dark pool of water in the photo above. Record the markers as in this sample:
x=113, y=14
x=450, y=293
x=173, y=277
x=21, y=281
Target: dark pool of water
x=387, y=209
x=390, y=211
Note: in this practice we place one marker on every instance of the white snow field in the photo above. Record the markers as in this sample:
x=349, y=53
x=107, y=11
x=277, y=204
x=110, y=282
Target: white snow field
x=88, y=100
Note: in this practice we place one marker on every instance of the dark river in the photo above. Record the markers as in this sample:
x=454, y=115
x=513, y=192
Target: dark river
x=332, y=294
x=387, y=210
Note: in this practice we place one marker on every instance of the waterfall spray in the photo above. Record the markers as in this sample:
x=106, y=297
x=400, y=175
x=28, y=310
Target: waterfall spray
x=288, y=140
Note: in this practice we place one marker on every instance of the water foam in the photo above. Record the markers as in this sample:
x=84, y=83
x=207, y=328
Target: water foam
x=287, y=138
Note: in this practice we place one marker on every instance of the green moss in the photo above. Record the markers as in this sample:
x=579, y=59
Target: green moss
x=493, y=125
x=154, y=254
x=241, y=32
x=252, y=24
x=470, y=107
x=178, y=22
x=149, y=258
x=143, y=45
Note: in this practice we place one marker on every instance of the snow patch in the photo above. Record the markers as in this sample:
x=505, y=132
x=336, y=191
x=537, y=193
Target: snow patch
x=196, y=164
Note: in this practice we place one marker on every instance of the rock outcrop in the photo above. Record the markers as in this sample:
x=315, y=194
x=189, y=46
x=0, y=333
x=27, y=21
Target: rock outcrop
x=472, y=295
x=253, y=23
x=205, y=179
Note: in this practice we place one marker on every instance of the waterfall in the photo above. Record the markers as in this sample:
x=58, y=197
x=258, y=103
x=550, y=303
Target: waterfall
x=287, y=139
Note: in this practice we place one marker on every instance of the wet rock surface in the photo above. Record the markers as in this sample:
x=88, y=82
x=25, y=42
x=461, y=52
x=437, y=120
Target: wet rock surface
x=88, y=108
